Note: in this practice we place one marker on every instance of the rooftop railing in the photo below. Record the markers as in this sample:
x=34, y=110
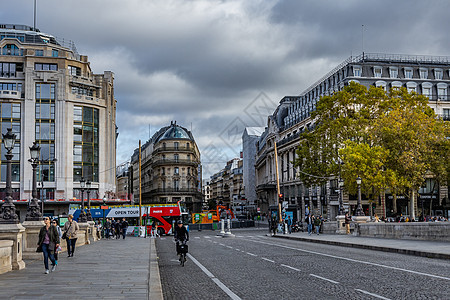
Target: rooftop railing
x=381, y=57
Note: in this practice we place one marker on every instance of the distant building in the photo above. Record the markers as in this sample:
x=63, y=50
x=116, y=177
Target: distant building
x=227, y=184
x=170, y=170
x=249, y=138
x=206, y=193
x=122, y=186
x=49, y=94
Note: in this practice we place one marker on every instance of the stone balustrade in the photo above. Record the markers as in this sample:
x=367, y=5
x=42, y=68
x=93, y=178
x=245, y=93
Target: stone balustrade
x=430, y=231
x=6, y=248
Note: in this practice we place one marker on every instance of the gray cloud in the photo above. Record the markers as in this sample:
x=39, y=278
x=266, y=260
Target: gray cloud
x=203, y=62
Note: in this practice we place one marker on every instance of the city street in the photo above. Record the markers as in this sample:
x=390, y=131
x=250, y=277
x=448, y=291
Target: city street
x=255, y=266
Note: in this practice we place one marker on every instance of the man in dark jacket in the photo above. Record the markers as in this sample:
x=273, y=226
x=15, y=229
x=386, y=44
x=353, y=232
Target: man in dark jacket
x=309, y=220
x=124, y=227
x=181, y=234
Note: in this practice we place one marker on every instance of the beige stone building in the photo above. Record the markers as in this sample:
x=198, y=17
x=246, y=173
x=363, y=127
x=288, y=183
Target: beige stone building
x=49, y=94
x=170, y=169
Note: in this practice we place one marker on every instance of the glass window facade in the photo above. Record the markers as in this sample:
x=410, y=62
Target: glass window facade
x=85, y=143
x=45, y=129
x=10, y=118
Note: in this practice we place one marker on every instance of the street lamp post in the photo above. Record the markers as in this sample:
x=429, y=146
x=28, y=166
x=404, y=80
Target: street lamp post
x=33, y=211
x=88, y=191
x=82, y=218
x=8, y=210
x=359, y=210
x=341, y=197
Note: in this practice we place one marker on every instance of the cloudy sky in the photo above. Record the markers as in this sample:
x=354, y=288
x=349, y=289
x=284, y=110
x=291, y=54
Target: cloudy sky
x=217, y=66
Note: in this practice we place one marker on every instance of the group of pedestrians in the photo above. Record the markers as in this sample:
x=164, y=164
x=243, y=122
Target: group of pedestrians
x=114, y=229
x=314, y=223
x=50, y=237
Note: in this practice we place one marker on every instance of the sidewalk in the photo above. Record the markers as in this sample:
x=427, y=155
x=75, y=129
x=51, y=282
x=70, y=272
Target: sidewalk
x=107, y=269
x=429, y=249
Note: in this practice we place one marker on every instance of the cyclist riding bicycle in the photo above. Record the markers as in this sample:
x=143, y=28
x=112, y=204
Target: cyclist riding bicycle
x=181, y=235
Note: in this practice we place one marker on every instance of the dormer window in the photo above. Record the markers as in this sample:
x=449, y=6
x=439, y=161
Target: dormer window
x=377, y=72
x=393, y=72
x=438, y=74
x=357, y=70
x=408, y=73
x=426, y=89
x=423, y=73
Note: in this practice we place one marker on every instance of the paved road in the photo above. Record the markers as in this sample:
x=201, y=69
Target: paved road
x=254, y=266
x=108, y=269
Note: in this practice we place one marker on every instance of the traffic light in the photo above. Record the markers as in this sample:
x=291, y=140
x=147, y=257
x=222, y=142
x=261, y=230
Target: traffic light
x=280, y=198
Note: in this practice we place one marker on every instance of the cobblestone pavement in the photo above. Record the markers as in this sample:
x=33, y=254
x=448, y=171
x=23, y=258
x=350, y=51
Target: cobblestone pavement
x=107, y=269
x=254, y=266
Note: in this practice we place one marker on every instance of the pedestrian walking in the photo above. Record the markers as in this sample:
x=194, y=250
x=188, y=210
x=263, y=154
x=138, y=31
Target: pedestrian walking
x=274, y=226
x=118, y=230
x=347, y=221
x=47, y=242
x=113, y=228
x=289, y=224
x=317, y=224
x=59, y=230
x=124, y=227
x=309, y=221
x=70, y=234
x=107, y=228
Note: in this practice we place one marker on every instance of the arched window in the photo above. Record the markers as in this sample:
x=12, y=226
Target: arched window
x=11, y=49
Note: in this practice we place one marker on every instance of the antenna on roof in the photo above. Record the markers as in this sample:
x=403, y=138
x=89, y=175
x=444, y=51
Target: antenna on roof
x=34, y=20
x=362, y=41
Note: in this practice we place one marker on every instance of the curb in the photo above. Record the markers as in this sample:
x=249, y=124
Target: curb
x=371, y=247
x=154, y=283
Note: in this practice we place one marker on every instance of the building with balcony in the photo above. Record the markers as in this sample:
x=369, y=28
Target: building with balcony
x=49, y=94
x=170, y=169
x=427, y=75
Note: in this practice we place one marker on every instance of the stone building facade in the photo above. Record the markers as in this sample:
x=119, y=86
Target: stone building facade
x=49, y=94
x=249, y=138
x=427, y=75
x=170, y=169
x=227, y=186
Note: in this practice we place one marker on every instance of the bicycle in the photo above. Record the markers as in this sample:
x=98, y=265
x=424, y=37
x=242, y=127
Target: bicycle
x=182, y=249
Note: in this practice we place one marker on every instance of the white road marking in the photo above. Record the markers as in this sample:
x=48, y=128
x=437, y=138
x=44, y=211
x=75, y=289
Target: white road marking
x=197, y=237
x=238, y=249
x=251, y=254
x=240, y=236
x=229, y=247
x=372, y=294
x=323, y=278
x=221, y=244
x=272, y=261
x=215, y=242
x=216, y=280
x=207, y=237
x=295, y=269
x=355, y=260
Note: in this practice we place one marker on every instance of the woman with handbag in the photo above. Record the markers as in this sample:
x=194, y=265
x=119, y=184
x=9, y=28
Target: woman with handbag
x=70, y=235
x=48, y=241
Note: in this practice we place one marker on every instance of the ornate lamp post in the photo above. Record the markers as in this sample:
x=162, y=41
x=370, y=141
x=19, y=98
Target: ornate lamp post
x=33, y=211
x=8, y=210
x=82, y=218
x=88, y=191
x=341, y=197
x=359, y=210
